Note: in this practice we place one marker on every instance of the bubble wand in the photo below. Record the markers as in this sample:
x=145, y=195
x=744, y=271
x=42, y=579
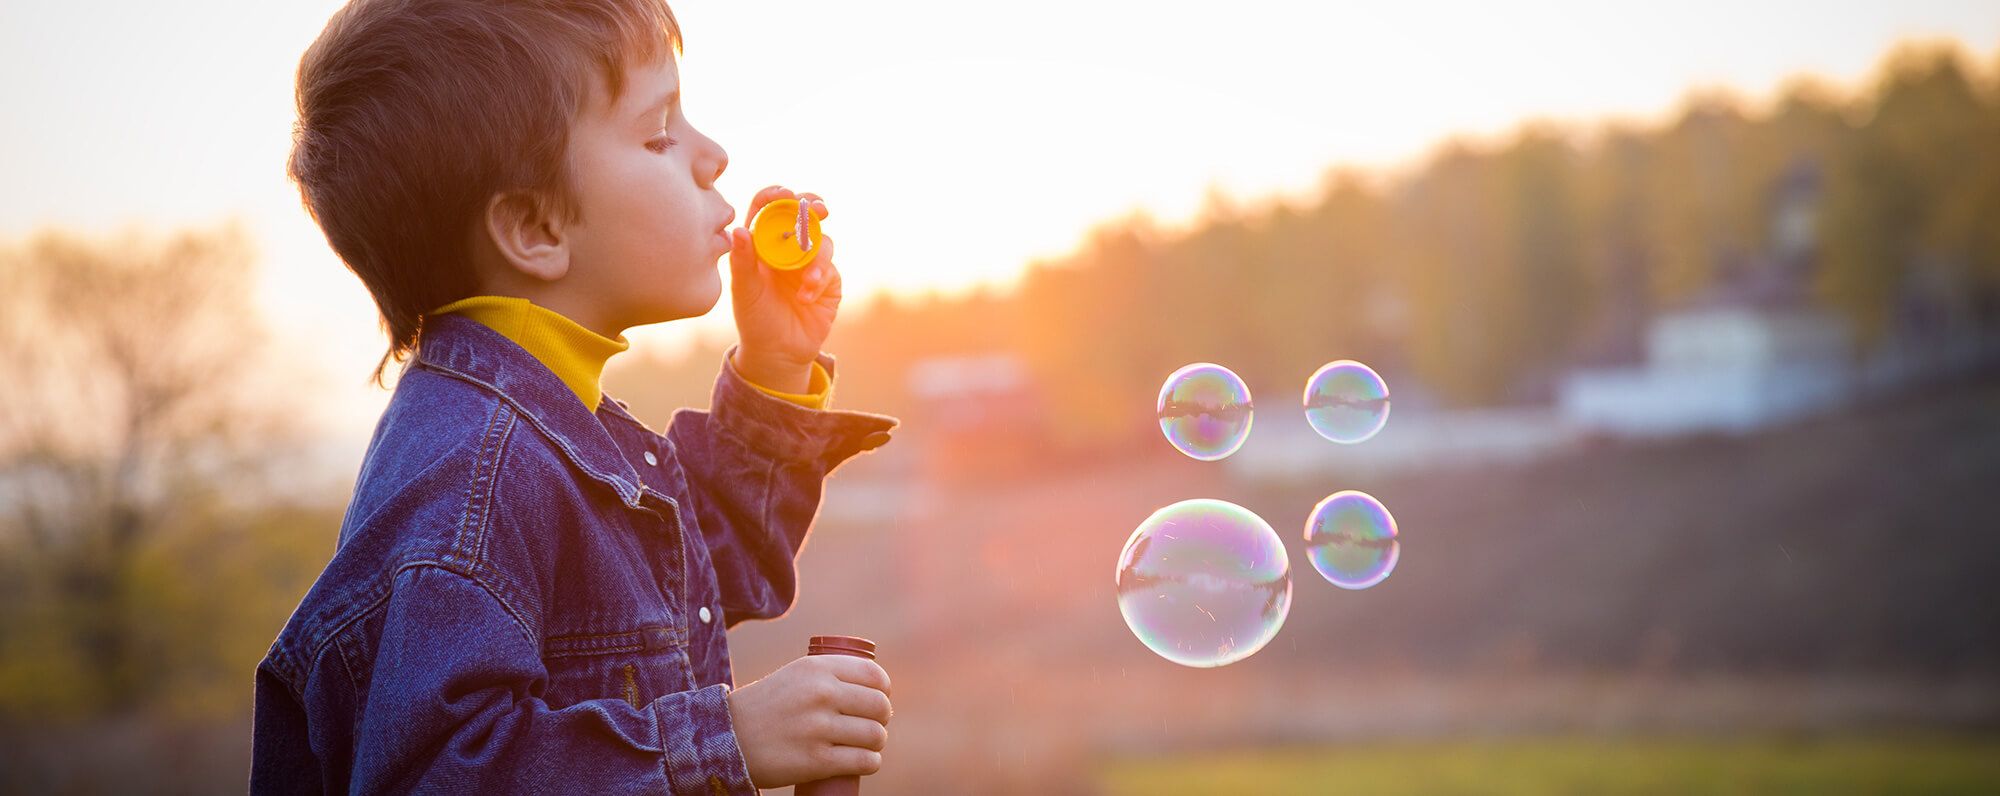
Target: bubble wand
x=785, y=233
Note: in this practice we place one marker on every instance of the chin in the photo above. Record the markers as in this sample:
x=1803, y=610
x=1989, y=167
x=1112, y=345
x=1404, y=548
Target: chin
x=677, y=310
x=695, y=306
x=693, y=303
x=706, y=307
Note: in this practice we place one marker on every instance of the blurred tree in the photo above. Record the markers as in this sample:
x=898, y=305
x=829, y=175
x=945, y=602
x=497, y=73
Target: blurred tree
x=1450, y=239
x=1093, y=324
x=1913, y=200
x=1614, y=201
x=1542, y=283
x=1706, y=213
x=134, y=458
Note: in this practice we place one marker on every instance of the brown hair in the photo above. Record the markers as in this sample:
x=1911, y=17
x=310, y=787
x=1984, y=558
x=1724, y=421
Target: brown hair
x=413, y=113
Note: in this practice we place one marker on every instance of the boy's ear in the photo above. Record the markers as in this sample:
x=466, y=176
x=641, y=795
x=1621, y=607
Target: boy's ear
x=527, y=234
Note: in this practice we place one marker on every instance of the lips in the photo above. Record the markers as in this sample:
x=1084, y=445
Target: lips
x=722, y=230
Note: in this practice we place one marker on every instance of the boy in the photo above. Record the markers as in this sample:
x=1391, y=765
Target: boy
x=531, y=588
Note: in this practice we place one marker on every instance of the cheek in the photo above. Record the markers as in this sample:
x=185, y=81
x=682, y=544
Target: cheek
x=653, y=194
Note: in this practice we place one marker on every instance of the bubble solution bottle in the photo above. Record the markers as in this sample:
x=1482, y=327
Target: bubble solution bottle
x=849, y=785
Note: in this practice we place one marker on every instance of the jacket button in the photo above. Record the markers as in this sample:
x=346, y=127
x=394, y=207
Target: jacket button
x=875, y=440
x=704, y=614
x=651, y=459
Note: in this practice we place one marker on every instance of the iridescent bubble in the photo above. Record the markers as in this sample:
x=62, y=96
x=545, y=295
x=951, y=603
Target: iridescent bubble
x=1204, y=583
x=1205, y=411
x=1351, y=540
x=1346, y=401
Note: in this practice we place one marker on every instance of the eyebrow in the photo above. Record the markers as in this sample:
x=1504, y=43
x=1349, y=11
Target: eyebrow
x=652, y=111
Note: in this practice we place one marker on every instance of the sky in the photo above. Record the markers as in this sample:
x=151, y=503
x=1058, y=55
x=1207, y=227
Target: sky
x=1027, y=123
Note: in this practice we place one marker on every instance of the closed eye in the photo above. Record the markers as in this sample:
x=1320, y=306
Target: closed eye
x=661, y=145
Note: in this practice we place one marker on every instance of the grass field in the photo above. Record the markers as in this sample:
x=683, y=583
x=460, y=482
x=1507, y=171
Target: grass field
x=1557, y=767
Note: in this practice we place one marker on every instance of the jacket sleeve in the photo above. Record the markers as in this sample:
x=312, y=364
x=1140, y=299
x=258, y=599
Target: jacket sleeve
x=756, y=465
x=451, y=702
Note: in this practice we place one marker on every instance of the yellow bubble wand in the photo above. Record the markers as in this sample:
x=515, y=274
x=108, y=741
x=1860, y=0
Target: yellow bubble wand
x=785, y=233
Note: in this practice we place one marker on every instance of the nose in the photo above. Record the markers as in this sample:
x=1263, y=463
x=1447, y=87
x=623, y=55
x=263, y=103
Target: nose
x=713, y=161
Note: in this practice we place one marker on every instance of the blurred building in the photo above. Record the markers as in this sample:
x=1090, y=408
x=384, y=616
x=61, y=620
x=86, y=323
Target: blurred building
x=1721, y=367
x=1756, y=351
x=1751, y=352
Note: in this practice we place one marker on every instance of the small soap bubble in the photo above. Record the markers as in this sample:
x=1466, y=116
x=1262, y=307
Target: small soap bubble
x=1351, y=540
x=1204, y=583
x=1205, y=411
x=1346, y=401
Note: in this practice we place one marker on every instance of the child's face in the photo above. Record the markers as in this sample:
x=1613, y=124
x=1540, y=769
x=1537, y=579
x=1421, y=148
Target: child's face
x=652, y=224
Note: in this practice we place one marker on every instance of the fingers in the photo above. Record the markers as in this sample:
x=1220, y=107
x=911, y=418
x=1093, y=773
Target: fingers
x=821, y=276
x=864, y=703
x=858, y=671
x=843, y=760
x=858, y=733
x=742, y=252
x=772, y=193
x=860, y=689
x=817, y=204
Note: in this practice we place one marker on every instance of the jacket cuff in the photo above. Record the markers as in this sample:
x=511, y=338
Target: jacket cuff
x=786, y=430
x=817, y=392
x=700, y=742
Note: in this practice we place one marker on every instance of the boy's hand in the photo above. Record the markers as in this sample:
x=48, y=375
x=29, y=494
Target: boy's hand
x=820, y=716
x=782, y=317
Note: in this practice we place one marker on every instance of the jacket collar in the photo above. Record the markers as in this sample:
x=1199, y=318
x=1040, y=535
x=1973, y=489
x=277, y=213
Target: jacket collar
x=467, y=350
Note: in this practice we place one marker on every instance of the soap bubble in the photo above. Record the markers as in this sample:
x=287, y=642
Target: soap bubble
x=1351, y=540
x=1204, y=583
x=1346, y=401
x=1205, y=411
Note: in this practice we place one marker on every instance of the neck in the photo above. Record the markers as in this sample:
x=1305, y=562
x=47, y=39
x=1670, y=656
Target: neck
x=574, y=353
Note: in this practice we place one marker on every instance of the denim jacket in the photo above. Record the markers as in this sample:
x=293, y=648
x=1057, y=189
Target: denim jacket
x=529, y=597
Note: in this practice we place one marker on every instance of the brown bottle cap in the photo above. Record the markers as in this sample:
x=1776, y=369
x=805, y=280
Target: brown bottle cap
x=841, y=645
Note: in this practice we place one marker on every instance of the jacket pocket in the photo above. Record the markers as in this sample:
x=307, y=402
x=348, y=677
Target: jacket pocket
x=635, y=667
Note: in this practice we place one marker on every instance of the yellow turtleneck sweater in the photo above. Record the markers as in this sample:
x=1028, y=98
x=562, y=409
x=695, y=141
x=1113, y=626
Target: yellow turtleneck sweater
x=577, y=355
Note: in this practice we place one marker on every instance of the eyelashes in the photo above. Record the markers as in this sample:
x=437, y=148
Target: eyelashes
x=661, y=145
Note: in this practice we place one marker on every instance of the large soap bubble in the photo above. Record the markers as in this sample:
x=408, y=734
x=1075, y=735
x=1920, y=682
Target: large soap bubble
x=1204, y=583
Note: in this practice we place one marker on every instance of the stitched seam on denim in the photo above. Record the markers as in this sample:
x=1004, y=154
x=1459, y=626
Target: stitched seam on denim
x=769, y=429
x=770, y=505
x=362, y=607
x=640, y=631
x=620, y=413
x=587, y=653
x=482, y=530
x=576, y=459
x=478, y=491
x=684, y=536
x=347, y=664
x=521, y=623
x=572, y=646
x=279, y=661
x=742, y=769
x=332, y=636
